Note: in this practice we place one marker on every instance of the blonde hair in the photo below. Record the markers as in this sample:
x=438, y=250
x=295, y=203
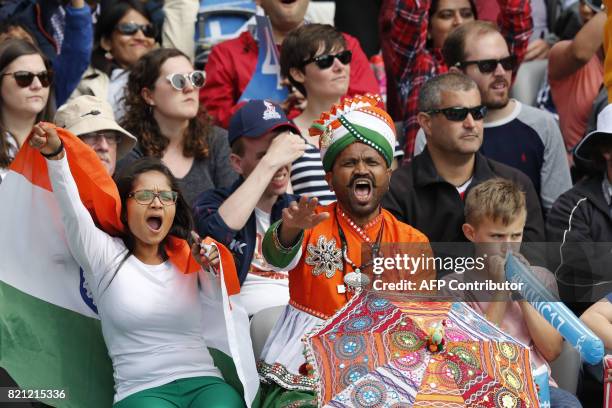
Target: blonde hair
x=496, y=199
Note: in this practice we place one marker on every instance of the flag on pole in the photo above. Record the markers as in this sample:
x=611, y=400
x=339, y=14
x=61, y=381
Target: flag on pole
x=50, y=333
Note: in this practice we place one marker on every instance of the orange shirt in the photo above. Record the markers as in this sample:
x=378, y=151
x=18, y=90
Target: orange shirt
x=574, y=95
x=310, y=289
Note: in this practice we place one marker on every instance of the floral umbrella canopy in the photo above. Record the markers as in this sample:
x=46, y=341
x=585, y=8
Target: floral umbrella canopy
x=384, y=352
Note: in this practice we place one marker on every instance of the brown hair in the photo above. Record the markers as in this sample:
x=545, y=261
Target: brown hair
x=496, y=199
x=10, y=50
x=454, y=46
x=430, y=95
x=303, y=43
x=139, y=120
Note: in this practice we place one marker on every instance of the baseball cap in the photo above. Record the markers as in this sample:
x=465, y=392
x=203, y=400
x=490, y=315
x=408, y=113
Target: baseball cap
x=256, y=118
x=86, y=114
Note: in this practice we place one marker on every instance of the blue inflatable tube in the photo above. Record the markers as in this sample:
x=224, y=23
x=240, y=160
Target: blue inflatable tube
x=555, y=312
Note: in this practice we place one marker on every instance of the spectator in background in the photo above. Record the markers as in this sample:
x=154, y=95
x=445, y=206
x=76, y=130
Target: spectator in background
x=575, y=74
x=318, y=65
x=428, y=192
x=232, y=64
x=264, y=143
x=517, y=135
x=581, y=223
x=92, y=120
x=70, y=56
x=124, y=33
x=412, y=34
x=26, y=96
x=162, y=108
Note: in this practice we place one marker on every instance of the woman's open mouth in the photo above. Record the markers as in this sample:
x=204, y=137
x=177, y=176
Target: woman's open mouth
x=154, y=223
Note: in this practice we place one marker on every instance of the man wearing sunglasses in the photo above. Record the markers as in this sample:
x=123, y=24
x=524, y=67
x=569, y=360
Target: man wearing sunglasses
x=428, y=193
x=92, y=120
x=517, y=135
x=232, y=64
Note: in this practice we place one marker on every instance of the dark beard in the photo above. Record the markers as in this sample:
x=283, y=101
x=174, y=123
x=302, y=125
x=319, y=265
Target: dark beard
x=497, y=104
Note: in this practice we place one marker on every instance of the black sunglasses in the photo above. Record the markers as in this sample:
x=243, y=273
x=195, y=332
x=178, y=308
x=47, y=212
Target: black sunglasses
x=487, y=66
x=25, y=78
x=458, y=113
x=132, y=28
x=326, y=61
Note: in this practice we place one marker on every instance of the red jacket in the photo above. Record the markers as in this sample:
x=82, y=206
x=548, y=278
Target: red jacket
x=231, y=65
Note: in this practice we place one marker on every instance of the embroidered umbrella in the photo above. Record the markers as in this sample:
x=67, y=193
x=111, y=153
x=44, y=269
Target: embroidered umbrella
x=385, y=352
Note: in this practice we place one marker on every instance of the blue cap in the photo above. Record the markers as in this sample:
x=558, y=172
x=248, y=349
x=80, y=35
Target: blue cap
x=256, y=118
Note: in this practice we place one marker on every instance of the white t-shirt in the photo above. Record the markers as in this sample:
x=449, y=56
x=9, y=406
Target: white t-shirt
x=263, y=287
x=152, y=316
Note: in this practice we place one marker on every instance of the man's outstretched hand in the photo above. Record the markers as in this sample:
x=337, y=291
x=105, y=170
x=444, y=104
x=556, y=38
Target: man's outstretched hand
x=299, y=216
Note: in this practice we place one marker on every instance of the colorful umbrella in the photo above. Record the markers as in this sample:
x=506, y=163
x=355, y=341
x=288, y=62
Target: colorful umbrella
x=388, y=352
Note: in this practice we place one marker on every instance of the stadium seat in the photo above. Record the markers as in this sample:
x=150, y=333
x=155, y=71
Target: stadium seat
x=261, y=326
x=220, y=20
x=566, y=368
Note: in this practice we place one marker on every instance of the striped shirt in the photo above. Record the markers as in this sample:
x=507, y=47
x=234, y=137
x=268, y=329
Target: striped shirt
x=308, y=176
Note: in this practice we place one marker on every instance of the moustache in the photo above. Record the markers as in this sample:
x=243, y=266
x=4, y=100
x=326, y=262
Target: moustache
x=357, y=177
x=501, y=81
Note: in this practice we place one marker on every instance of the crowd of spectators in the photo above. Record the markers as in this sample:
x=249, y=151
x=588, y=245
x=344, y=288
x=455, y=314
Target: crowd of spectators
x=479, y=90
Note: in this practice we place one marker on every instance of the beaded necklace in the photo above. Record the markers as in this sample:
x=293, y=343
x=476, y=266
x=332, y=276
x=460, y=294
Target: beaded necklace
x=356, y=279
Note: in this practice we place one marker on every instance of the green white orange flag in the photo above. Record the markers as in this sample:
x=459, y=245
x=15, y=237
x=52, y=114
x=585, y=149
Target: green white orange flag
x=50, y=334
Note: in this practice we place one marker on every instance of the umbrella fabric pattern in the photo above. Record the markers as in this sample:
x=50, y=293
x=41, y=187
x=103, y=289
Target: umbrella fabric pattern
x=375, y=353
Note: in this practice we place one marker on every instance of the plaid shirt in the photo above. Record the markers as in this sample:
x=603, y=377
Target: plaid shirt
x=404, y=34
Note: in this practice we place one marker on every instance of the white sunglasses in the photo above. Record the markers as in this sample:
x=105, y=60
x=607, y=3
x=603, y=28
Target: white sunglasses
x=179, y=81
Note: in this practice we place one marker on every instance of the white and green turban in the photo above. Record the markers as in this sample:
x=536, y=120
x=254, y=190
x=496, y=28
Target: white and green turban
x=356, y=119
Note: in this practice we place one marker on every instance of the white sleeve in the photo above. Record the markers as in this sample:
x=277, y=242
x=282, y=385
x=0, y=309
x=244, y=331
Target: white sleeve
x=178, y=30
x=94, y=250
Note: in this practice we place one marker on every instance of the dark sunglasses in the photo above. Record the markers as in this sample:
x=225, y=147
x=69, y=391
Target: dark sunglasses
x=179, y=81
x=25, y=78
x=132, y=28
x=458, y=113
x=326, y=61
x=487, y=66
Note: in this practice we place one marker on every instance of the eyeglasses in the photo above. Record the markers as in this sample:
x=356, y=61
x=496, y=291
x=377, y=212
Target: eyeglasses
x=132, y=28
x=487, y=66
x=326, y=61
x=458, y=113
x=146, y=197
x=179, y=81
x=25, y=78
x=94, y=138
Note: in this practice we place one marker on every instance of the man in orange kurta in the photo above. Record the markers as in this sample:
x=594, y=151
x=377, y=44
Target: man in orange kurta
x=322, y=247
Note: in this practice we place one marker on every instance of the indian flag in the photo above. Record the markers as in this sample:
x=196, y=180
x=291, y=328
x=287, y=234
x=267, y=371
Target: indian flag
x=50, y=334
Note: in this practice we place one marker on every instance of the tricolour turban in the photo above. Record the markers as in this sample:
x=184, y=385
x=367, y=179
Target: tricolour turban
x=357, y=119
